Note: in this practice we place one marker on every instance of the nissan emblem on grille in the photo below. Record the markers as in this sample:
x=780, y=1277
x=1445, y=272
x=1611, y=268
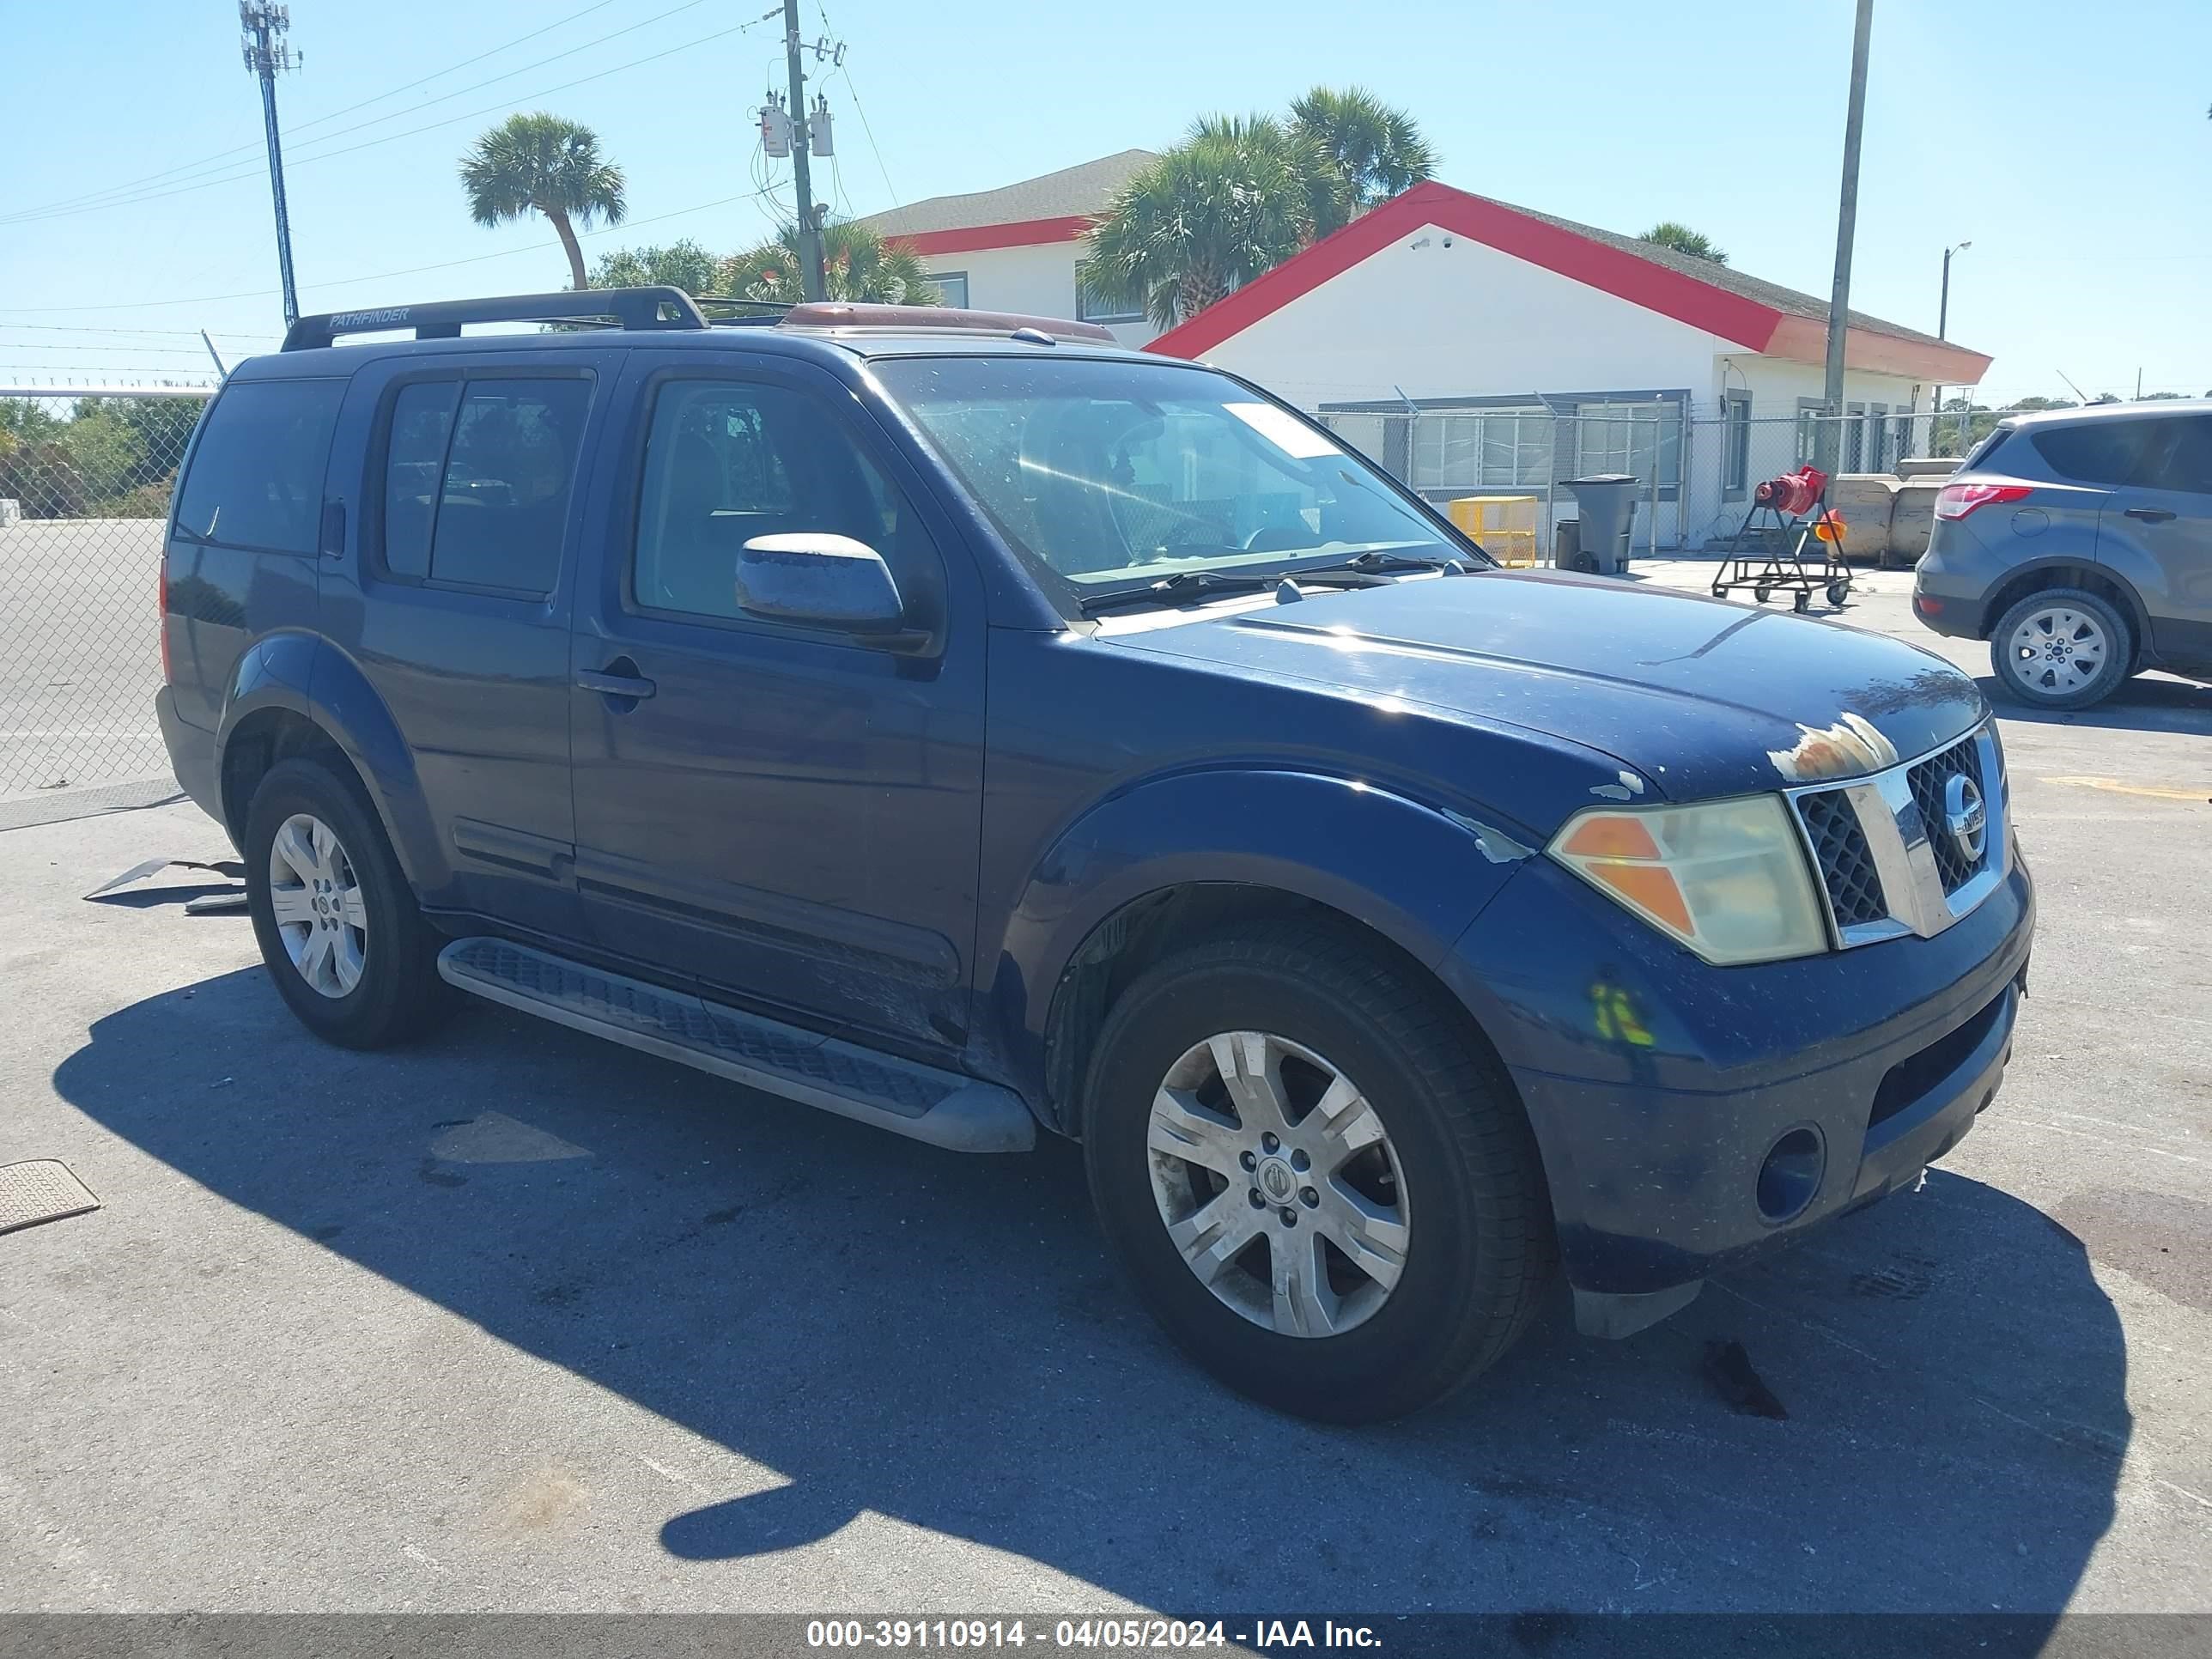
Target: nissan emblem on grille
x=1965, y=817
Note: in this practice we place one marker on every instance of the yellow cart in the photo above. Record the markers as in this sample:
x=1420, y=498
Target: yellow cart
x=1505, y=525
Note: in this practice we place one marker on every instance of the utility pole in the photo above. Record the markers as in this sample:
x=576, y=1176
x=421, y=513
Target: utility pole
x=265, y=27
x=810, y=228
x=1943, y=332
x=1847, y=215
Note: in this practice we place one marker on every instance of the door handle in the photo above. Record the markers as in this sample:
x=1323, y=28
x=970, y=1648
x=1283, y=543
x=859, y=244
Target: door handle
x=2149, y=514
x=614, y=685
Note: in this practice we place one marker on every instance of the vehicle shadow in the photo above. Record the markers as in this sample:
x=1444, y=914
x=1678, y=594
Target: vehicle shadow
x=2145, y=703
x=942, y=1340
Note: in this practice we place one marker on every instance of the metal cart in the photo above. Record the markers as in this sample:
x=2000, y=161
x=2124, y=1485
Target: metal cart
x=1768, y=556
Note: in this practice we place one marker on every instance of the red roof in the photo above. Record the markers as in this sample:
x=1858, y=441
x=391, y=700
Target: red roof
x=1758, y=316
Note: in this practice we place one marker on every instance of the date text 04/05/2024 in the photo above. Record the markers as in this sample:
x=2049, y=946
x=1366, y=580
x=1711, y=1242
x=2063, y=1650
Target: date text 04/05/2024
x=1266, y=1635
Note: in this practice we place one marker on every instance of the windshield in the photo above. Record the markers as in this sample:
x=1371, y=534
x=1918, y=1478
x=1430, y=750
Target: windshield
x=1110, y=475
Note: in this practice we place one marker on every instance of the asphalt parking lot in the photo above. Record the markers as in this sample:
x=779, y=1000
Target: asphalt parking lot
x=517, y=1320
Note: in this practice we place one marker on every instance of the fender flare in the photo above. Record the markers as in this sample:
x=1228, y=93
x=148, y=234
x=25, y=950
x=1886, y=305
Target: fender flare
x=301, y=675
x=2072, y=557
x=1417, y=874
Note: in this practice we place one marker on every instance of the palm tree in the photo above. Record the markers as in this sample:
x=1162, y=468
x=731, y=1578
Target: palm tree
x=1682, y=239
x=858, y=265
x=1240, y=195
x=1373, y=150
x=543, y=164
x=1234, y=199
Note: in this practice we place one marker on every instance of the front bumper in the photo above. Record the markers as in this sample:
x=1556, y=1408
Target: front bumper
x=1660, y=1088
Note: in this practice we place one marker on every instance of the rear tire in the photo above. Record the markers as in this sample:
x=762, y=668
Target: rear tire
x=1449, y=1206
x=2061, y=648
x=338, y=926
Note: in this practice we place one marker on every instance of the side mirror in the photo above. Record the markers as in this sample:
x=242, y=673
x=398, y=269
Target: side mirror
x=828, y=580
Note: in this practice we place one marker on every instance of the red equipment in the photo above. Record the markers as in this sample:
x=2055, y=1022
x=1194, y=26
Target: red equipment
x=1793, y=494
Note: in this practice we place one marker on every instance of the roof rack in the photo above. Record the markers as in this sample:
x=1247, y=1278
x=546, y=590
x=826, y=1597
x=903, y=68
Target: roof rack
x=620, y=307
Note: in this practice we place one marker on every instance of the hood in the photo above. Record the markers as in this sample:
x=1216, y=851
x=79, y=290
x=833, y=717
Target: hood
x=1702, y=698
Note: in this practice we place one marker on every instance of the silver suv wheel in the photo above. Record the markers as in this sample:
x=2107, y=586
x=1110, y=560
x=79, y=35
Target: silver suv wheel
x=1278, y=1184
x=2057, y=650
x=317, y=900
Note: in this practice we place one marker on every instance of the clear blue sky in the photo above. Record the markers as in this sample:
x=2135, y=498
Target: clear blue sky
x=2068, y=142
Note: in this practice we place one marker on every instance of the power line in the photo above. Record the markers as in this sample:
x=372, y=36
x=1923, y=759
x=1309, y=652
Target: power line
x=316, y=121
x=859, y=109
x=176, y=186
x=391, y=137
x=370, y=276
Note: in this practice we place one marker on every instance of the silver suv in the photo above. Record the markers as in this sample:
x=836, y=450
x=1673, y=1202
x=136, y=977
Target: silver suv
x=2079, y=545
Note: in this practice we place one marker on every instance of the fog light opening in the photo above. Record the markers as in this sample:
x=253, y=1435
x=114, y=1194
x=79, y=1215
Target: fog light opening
x=1791, y=1174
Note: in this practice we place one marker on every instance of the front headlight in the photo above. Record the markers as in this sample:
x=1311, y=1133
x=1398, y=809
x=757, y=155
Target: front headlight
x=1729, y=878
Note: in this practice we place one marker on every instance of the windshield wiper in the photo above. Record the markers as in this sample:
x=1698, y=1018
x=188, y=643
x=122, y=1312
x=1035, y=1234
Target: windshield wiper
x=1183, y=585
x=1375, y=562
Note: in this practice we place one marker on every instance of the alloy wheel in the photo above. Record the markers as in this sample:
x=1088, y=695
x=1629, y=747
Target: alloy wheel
x=321, y=911
x=1278, y=1184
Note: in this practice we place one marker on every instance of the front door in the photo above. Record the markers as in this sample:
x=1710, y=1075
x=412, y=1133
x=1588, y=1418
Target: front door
x=2158, y=527
x=786, y=814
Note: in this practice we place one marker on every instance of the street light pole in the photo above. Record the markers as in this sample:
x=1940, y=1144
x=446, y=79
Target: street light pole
x=1942, y=332
x=1847, y=214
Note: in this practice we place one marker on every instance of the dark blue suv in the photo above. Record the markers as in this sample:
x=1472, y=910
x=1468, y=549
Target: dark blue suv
x=955, y=722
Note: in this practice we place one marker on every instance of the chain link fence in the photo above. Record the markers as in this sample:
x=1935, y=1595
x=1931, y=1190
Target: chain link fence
x=84, y=493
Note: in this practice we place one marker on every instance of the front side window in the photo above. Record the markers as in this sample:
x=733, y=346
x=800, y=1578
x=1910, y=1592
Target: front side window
x=1104, y=474
x=478, y=480
x=2179, y=455
x=257, y=473
x=726, y=462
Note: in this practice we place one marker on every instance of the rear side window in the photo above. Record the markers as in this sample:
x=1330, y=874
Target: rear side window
x=2179, y=455
x=2093, y=452
x=477, y=479
x=257, y=473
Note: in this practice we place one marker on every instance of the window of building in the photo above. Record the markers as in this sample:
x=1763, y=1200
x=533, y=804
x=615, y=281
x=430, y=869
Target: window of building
x=1638, y=437
x=952, y=287
x=1854, y=446
x=1090, y=308
x=501, y=454
x=1877, y=437
x=257, y=473
x=1736, y=446
x=728, y=461
x=1811, y=414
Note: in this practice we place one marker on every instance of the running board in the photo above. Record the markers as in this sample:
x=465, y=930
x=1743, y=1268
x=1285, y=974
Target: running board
x=942, y=1108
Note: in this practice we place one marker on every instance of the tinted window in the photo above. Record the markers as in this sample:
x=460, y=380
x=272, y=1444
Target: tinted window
x=2093, y=452
x=503, y=508
x=257, y=475
x=422, y=422
x=725, y=463
x=2179, y=455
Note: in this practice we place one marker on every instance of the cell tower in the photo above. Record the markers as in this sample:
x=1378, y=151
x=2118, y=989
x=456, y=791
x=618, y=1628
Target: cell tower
x=266, y=55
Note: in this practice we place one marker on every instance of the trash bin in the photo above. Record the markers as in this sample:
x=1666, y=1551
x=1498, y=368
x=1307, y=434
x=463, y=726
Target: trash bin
x=1606, y=502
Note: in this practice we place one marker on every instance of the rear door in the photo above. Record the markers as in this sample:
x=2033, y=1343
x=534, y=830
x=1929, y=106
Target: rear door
x=457, y=607
x=2157, y=527
x=782, y=813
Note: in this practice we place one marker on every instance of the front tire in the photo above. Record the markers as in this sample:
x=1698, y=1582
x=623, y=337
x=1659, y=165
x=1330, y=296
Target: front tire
x=337, y=925
x=2063, y=647
x=1318, y=1180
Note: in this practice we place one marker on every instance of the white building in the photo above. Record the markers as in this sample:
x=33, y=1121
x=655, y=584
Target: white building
x=1015, y=248
x=1474, y=346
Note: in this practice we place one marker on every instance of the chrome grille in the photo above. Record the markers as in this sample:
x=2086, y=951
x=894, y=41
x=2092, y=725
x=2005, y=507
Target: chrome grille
x=1888, y=862
x=1845, y=861
x=1929, y=780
